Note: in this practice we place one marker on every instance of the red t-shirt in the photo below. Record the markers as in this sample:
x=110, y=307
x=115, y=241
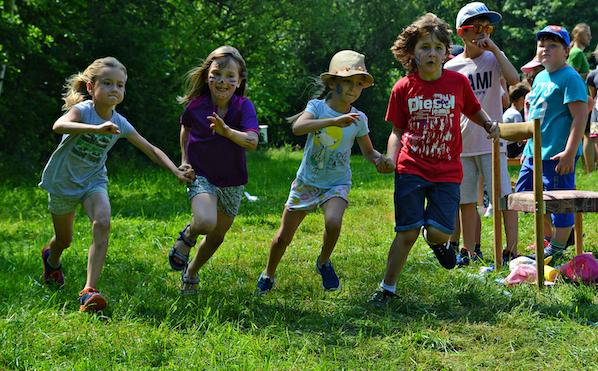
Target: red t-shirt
x=429, y=113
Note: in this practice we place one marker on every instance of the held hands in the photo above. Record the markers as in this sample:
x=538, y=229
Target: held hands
x=107, y=128
x=185, y=173
x=491, y=128
x=566, y=162
x=218, y=126
x=384, y=164
x=345, y=120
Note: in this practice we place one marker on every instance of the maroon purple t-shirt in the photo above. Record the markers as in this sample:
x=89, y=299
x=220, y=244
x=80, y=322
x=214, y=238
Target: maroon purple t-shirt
x=213, y=156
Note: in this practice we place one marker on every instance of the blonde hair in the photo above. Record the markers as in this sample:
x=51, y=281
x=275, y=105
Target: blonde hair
x=76, y=85
x=577, y=30
x=196, y=79
x=428, y=24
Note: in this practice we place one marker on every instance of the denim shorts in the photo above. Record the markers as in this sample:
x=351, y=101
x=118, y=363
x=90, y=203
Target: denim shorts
x=419, y=202
x=304, y=197
x=551, y=180
x=62, y=205
x=229, y=198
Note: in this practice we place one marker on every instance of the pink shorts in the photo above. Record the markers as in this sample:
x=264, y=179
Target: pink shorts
x=306, y=198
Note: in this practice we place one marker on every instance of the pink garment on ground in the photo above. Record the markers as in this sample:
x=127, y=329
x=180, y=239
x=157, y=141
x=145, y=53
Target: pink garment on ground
x=522, y=273
x=583, y=268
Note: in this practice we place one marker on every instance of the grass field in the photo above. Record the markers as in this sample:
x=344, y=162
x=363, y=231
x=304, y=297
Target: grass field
x=444, y=319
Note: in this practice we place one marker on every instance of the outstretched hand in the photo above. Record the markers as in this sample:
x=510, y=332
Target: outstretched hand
x=107, y=128
x=217, y=125
x=384, y=164
x=346, y=120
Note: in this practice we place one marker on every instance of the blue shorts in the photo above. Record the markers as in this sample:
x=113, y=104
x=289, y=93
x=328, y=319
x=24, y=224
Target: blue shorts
x=411, y=209
x=551, y=180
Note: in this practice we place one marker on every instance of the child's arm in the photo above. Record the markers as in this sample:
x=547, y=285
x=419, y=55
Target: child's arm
x=70, y=123
x=394, y=145
x=507, y=70
x=307, y=123
x=383, y=163
x=481, y=118
x=566, y=158
x=183, y=139
x=156, y=155
x=245, y=139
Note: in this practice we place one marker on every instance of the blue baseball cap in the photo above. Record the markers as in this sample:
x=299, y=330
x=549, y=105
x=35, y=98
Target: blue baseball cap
x=559, y=31
x=476, y=9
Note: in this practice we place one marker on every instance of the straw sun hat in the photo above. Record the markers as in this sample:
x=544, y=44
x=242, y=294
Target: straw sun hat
x=347, y=63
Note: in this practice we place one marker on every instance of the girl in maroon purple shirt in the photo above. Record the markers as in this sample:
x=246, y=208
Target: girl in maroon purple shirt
x=217, y=126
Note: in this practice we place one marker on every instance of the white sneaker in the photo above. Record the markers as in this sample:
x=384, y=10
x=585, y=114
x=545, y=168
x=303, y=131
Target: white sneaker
x=489, y=211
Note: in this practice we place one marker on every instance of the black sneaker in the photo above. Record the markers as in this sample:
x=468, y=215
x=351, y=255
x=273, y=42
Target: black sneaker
x=478, y=254
x=462, y=258
x=445, y=255
x=381, y=297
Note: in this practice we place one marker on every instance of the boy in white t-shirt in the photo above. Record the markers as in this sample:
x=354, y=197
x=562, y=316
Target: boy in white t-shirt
x=513, y=114
x=483, y=63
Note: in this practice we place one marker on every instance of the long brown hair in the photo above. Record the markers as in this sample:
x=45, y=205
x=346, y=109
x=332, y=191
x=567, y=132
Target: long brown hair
x=196, y=79
x=76, y=85
x=428, y=24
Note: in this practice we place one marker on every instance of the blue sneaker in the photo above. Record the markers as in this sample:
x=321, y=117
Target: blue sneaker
x=264, y=284
x=478, y=254
x=463, y=258
x=330, y=280
x=550, y=250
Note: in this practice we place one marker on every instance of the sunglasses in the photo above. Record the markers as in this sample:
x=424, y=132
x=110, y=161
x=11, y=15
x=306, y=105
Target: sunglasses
x=479, y=28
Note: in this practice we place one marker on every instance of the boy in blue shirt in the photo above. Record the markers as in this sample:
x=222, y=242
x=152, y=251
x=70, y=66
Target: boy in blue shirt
x=559, y=99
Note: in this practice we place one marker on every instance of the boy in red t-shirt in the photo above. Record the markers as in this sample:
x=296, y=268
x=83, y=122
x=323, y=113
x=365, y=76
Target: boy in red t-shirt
x=425, y=109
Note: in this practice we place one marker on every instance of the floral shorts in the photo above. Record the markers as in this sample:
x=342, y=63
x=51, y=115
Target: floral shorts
x=229, y=198
x=304, y=197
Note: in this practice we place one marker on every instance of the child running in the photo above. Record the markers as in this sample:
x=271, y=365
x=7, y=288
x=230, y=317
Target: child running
x=76, y=171
x=425, y=107
x=218, y=125
x=332, y=125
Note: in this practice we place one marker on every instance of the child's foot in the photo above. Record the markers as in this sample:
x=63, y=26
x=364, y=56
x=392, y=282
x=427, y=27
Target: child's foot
x=477, y=256
x=462, y=258
x=445, y=254
x=382, y=297
x=189, y=285
x=52, y=276
x=91, y=300
x=179, y=252
x=507, y=256
x=550, y=250
x=330, y=280
x=264, y=284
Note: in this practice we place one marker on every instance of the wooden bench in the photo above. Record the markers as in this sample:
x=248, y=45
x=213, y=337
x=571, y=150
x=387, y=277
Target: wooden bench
x=537, y=201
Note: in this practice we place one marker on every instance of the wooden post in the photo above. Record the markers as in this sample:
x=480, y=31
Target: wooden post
x=578, y=235
x=496, y=212
x=539, y=206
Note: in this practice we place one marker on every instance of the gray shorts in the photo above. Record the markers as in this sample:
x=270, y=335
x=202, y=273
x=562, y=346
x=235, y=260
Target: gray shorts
x=473, y=167
x=62, y=205
x=229, y=198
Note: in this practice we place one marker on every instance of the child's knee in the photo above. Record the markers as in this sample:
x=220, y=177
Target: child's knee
x=101, y=224
x=202, y=226
x=333, y=224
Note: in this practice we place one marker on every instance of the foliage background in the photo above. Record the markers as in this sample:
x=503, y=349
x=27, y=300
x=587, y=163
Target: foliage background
x=285, y=43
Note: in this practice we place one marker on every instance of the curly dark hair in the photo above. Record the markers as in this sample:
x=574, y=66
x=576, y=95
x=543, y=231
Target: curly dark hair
x=428, y=24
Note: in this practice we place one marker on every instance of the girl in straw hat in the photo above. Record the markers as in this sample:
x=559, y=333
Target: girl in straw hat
x=332, y=125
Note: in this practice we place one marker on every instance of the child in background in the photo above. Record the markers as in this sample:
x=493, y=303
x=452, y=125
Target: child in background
x=517, y=95
x=483, y=63
x=217, y=127
x=425, y=107
x=559, y=99
x=332, y=125
x=76, y=171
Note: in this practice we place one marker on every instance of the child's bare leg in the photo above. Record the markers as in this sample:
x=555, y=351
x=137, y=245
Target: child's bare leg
x=334, y=210
x=210, y=243
x=511, y=230
x=397, y=255
x=97, y=207
x=290, y=222
x=457, y=233
x=561, y=235
x=63, y=236
x=469, y=215
x=204, y=207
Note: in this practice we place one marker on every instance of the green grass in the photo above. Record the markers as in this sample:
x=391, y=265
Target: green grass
x=444, y=319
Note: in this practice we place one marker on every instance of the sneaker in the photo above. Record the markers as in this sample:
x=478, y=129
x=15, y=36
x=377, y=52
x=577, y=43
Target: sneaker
x=455, y=246
x=330, y=280
x=555, y=252
x=489, y=211
x=478, y=254
x=381, y=297
x=91, y=300
x=462, y=258
x=445, y=255
x=264, y=284
x=52, y=276
x=507, y=256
